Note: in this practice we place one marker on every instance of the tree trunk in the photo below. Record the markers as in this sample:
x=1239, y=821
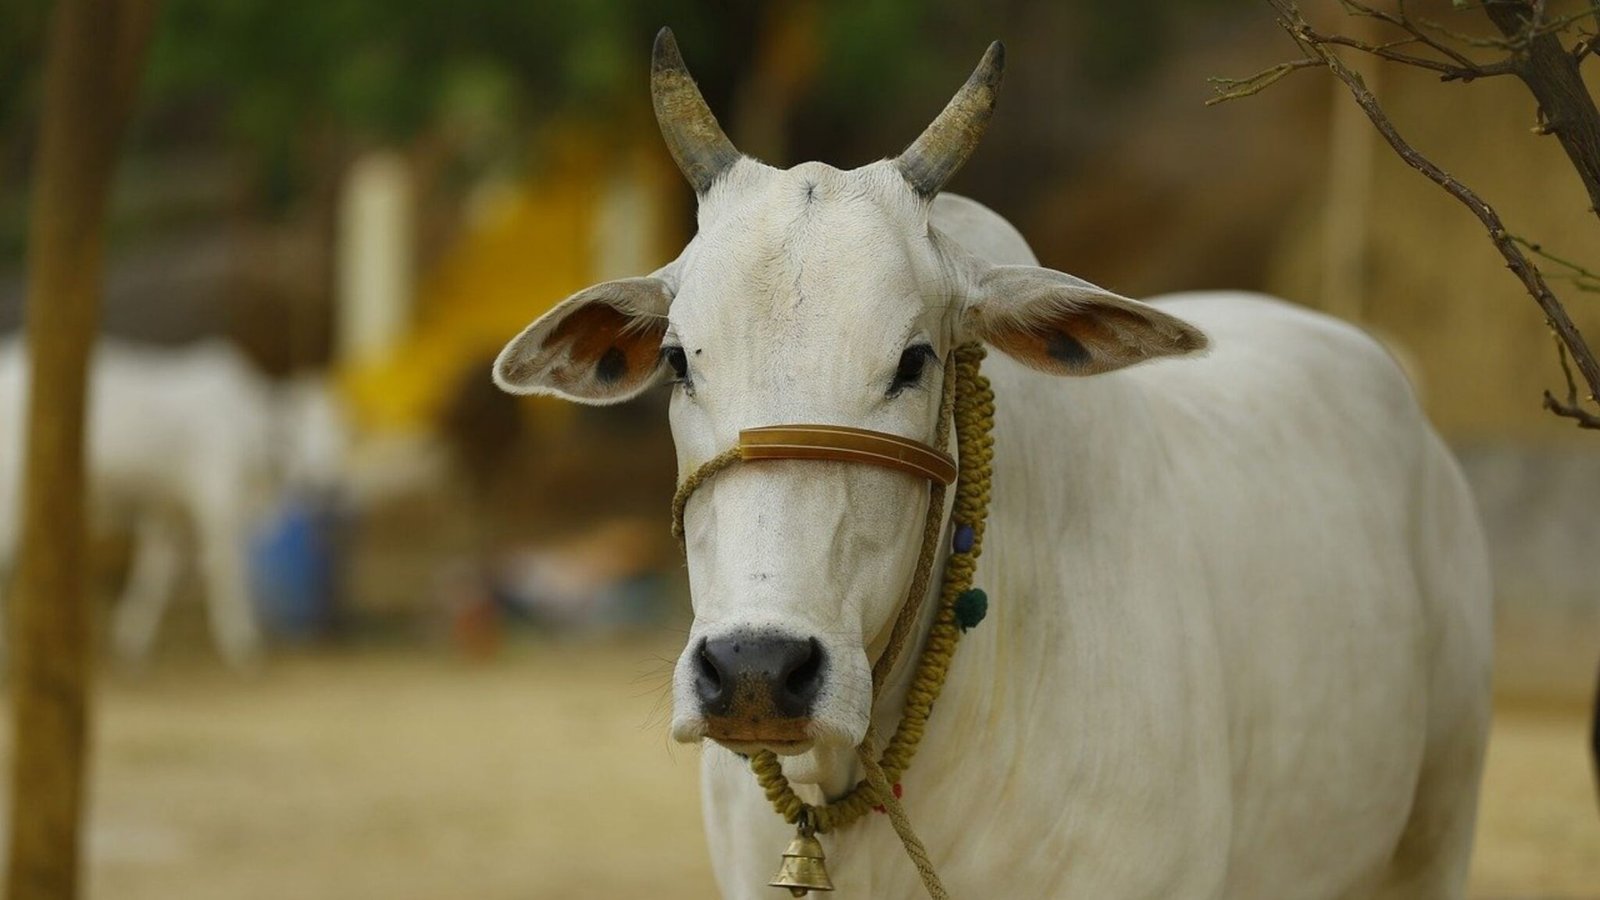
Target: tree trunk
x=91, y=66
x=1551, y=74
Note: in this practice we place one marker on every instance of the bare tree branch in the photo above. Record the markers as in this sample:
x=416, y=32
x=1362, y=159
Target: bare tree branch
x=1454, y=67
x=1513, y=42
x=1401, y=19
x=1460, y=67
x=1524, y=25
x=1447, y=71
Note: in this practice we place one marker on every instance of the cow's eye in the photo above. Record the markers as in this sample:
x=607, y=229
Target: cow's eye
x=909, y=372
x=674, y=357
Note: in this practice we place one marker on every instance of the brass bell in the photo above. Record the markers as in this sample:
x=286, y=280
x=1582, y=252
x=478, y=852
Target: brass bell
x=804, y=868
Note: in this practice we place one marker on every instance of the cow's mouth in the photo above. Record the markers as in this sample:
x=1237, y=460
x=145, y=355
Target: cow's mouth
x=785, y=737
x=780, y=748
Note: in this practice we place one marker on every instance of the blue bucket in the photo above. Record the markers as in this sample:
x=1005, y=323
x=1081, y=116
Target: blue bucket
x=293, y=571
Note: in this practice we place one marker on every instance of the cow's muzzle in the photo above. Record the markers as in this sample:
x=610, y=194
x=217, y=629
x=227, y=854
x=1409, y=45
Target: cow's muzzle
x=758, y=689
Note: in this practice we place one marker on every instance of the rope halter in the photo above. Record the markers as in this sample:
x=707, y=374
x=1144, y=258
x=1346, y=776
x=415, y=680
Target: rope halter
x=968, y=403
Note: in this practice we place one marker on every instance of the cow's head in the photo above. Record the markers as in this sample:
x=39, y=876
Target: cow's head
x=810, y=295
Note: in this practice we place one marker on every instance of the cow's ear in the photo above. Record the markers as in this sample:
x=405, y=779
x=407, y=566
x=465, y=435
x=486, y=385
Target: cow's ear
x=1063, y=325
x=601, y=345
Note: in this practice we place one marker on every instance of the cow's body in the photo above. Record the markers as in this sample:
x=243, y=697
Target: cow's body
x=1238, y=643
x=1239, y=639
x=189, y=439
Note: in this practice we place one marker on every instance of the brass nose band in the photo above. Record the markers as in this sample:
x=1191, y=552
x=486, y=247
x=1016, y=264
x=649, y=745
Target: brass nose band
x=845, y=444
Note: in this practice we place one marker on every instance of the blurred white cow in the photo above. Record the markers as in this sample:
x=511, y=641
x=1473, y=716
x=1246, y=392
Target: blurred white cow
x=193, y=433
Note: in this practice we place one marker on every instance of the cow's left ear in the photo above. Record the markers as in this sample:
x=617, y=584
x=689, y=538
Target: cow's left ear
x=1063, y=325
x=601, y=345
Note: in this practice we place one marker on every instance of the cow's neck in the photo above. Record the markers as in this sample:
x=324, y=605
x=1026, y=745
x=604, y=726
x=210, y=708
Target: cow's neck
x=1020, y=437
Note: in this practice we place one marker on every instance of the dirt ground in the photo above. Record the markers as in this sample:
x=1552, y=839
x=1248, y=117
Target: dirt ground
x=546, y=773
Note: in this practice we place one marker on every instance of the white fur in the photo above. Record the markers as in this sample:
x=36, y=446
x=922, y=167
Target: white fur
x=175, y=434
x=1238, y=638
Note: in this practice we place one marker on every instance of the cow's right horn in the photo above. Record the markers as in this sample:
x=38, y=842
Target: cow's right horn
x=945, y=145
x=697, y=143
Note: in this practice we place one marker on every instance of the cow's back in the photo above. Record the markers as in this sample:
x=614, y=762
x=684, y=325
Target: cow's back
x=1346, y=578
x=1245, y=592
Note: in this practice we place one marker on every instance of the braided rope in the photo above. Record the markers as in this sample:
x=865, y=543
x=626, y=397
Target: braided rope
x=974, y=420
x=879, y=781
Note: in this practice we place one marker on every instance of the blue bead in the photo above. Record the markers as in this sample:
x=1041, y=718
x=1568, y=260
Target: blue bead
x=962, y=540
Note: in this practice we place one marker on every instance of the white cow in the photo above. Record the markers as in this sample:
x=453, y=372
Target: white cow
x=180, y=441
x=1239, y=640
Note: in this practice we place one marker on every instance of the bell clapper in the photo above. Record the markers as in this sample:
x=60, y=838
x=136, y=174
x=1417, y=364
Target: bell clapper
x=804, y=867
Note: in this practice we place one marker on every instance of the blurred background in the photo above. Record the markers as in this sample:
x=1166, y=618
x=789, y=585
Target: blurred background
x=460, y=608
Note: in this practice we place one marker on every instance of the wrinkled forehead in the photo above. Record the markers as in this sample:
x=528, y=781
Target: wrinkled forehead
x=806, y=253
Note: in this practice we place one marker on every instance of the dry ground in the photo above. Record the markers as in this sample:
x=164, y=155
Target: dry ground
x=544, y=774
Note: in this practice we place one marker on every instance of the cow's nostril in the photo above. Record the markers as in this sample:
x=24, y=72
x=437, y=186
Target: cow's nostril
x=802, y=679
x=709, y=682
x=706, y=668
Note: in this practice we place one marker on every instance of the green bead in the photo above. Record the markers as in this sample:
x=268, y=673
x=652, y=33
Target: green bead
x=970, y=608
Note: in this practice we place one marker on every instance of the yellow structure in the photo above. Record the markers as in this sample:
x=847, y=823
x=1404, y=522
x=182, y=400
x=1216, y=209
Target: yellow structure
x=587, y=216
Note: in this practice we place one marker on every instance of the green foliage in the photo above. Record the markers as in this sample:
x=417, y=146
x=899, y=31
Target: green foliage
x=282, y=80
x=876, y=51
x=379, y=69
x=387, y=69
x=285, y=84
x=22, y=27
x=1125, y=40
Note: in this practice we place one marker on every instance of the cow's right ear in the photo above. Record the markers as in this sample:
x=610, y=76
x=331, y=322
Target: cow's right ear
x=1063, y=325
x=601, y=345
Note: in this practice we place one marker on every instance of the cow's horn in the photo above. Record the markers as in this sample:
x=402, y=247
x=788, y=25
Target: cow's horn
x=944, y=147
x=697, y=143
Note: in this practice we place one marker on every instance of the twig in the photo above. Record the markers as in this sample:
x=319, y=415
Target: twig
x=1450, y=71
x=1571, y=408
x=1583, y=279
x=1402, y=20
x=1234, y=88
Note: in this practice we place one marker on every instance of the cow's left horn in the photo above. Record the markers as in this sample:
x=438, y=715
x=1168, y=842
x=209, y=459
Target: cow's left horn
x=697, y=143
x=944, y=147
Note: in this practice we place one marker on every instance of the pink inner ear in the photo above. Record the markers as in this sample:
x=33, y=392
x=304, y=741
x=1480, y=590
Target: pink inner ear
x=602, y=342
x=1066, y=342
x=1088, y=340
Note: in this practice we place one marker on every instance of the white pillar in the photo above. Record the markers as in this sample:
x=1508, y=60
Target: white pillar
x=623, y=241
x=375, y=257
